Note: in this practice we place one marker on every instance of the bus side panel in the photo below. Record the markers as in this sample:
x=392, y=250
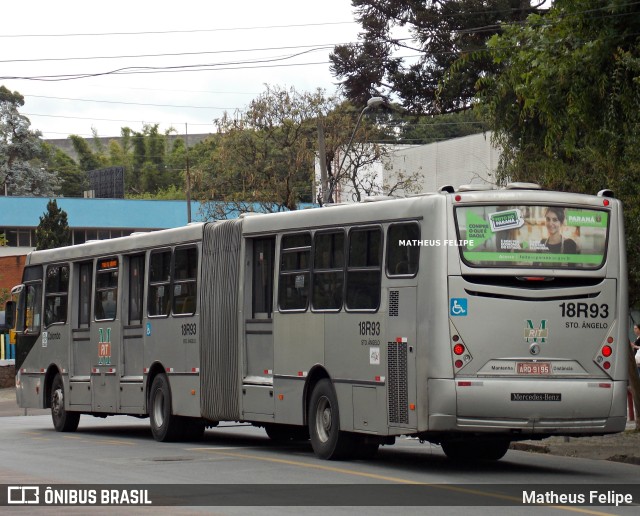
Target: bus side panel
x=299, y=344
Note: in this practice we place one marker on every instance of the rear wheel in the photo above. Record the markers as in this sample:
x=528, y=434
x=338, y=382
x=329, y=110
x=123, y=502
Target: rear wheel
x=472, y=450
x=164, y=425
x=327, y=440
x=63, y=420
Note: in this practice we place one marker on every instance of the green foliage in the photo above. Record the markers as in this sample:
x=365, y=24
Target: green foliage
x=21, y=169
x=150, y=171
x=149, y=165
x=88, y=159
x=53, y=230
x=440, y=34
x=171, y=193
x=73, y=181
x=265, y=157
x=566, y=105
x=422, y=130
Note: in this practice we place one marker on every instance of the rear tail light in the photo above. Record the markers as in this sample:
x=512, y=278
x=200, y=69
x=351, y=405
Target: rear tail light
x=461, y=355
x=604, y=357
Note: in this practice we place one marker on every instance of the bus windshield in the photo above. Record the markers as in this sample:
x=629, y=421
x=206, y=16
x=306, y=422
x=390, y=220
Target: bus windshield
x=532, y=236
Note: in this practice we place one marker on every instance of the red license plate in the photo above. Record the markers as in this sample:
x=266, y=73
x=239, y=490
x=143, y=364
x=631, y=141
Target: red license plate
x=533, y=368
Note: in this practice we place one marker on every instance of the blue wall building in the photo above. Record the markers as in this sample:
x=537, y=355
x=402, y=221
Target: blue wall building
x=90, y=219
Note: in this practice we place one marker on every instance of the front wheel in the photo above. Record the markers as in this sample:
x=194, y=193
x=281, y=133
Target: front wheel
x=165, y=426
x=63, y=420
x=327, y=441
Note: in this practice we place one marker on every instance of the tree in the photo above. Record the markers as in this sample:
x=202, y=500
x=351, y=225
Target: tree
x=149, y=165
x=565, y=106
x=439, y=32
x=20, y=150
x=264, y=158
x=355, y=173
x=149, y=158
x=88, y=159
x=73, y=181
x=53, y=230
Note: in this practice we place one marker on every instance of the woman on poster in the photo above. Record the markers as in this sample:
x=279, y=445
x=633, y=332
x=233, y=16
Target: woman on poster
x=556, y=242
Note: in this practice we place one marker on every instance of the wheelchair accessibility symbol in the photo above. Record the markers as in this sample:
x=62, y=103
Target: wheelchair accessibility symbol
x=458, y=306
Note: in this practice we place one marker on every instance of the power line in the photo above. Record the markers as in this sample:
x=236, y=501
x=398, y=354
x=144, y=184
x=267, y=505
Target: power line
x=174, y=54
x=64, y=117
x=188, y=31
x=131, y=70
x=127, y=103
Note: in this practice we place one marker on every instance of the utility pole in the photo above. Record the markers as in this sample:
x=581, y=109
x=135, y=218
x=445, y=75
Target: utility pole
x=373, y=102
x=322, y=151
x=186, y=143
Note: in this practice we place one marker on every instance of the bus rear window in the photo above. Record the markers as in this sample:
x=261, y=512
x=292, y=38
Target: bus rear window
x=532, y=236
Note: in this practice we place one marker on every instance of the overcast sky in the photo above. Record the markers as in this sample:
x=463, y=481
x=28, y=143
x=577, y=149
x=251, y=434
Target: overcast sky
x=222, y=54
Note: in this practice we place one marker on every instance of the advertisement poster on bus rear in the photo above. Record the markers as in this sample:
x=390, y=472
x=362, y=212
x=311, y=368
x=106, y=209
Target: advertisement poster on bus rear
x=538, y=236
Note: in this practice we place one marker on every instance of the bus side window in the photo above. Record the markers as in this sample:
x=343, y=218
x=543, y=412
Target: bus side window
x=136, y=287
x=295, y=258
x=328, y=271
x=402, y=259
x=159, y=293
x=185, y=274
x=364, y=269
x=56, y=294
x=107, y=289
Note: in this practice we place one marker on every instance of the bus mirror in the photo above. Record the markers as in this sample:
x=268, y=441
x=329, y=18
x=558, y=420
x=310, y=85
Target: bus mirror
x=10, y=314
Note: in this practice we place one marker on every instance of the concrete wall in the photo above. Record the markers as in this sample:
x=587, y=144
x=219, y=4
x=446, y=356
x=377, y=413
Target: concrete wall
x=66, y=146
x=459, y=161
x=465, y=160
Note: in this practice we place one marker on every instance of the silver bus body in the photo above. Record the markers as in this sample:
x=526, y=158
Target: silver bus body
x=456, y=351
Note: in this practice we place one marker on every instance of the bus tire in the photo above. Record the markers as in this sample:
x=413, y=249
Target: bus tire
x=63, y=419
x=165, y=426
x=474, y=450
x=327, y=441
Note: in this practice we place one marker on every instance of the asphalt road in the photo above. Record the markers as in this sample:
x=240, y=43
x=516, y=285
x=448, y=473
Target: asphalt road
x=240, y=458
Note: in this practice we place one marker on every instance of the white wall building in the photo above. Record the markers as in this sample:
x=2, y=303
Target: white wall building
x=464, y=160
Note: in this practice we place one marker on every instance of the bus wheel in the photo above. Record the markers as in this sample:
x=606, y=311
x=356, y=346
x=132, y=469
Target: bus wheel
x=164, y=425
x=63, y=420
x=471, y=450
x=327, y=440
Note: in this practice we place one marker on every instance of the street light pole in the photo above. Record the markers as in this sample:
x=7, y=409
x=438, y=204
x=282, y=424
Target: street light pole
x=373, y=102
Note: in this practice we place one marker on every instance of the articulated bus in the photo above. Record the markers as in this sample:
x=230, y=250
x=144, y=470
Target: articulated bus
x=469, y=318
